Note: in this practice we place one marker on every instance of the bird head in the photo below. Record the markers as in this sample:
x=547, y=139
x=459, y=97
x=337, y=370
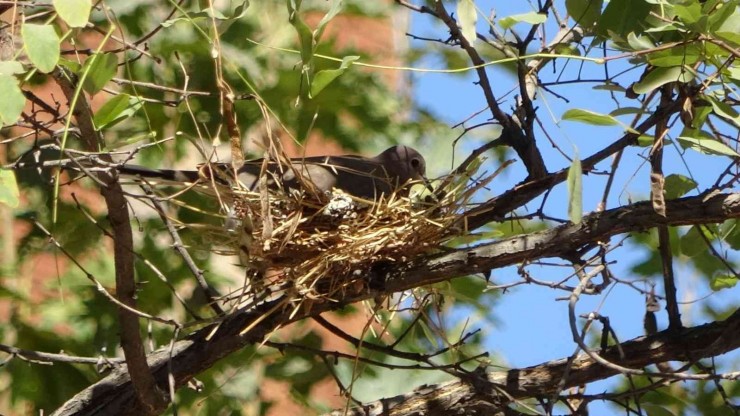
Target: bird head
x=403, y=163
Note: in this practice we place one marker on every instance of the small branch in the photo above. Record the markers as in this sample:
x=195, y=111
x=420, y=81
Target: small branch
x=657, y=196
x=461, y=397
x=147, y=392
x=209, y=292
x=205, y=347
x=498, y=207
x=50, y=358
x=512, y=133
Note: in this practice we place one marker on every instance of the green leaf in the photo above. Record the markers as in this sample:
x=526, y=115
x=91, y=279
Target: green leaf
x=661, y=76
x=622, y=17
x=74, y=12
x=575, y=190
x=639, y=43
x=566, y=49
x=731, y=233
x=724, y=110
x=9, y=194
x=656, y=410
x=626, y=111
x=608, y=87
x=42, y=45
x=677, y=186
x=116, y=109
x=589, y=117
x=690, y=13
x=723, y=281
x=336, y=6
x=304, y=32
x=721, y=12
x=692, y=243
x=211, y=13
x=707, y=146
x=100, y=69
x=531, y=18
x=13, y=100
x=139, y=137
x=467, y=16
x=11, y=68
x=730, y=29
x=325, y=77
x=584, y=12
x=676, y=56
x=700, y=116
x=646, y=140
x=72, y=66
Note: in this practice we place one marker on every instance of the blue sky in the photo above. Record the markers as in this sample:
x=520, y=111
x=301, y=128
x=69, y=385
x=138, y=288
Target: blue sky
x=531, y=326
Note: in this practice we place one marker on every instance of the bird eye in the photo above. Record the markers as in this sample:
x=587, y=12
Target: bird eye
x=415, y=163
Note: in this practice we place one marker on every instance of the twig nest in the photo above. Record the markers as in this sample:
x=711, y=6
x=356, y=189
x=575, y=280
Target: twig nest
x=324, y=245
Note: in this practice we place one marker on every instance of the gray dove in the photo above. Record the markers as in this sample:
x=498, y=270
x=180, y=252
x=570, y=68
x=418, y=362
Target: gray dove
x=363, y=177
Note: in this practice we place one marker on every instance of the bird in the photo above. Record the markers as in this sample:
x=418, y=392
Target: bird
x=363, y=177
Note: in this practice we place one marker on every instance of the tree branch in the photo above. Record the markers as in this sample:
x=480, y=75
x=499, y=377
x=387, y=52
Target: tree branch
x=496, y=389
x=512, y=133
x=147, y=393
x=204, y=348
x=499, y=206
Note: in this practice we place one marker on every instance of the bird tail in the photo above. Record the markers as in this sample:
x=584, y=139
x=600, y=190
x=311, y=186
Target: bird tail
x=168, y=175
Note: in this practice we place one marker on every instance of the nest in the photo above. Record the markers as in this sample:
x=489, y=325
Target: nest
x=322, y=246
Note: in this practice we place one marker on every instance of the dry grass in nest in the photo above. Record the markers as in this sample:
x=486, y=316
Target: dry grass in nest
x=321, y=254
x=292, y=242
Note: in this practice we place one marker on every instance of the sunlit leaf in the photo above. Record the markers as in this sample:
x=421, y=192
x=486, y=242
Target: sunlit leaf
x=74, y=12
x=639, y=43
x=116, y=109
x=723, y=281
x=42, y=45
x=730, y=28
x=212, y=13
x=724, y=110
x=661, y=76
x=325, y=77
x=690, y=13
x=336, y=7
x=646, y=140
x=707, y=146
x=575, y=191
x=9, y=194
x=13, y=100
x=589, y=117
x=677, y=186
x=467, y=17
x=11, y=68
x=532, y=18
x=676, y=56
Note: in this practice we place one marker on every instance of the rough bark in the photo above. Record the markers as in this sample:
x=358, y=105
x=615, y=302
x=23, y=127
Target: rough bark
x=202, y=349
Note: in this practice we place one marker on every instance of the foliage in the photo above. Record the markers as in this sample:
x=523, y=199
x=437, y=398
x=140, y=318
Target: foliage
x=649, y=93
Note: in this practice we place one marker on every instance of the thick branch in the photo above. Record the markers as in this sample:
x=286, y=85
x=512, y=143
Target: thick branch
x=512, y=133
x=498, y=388
x=117, y=206
x=204, y=348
